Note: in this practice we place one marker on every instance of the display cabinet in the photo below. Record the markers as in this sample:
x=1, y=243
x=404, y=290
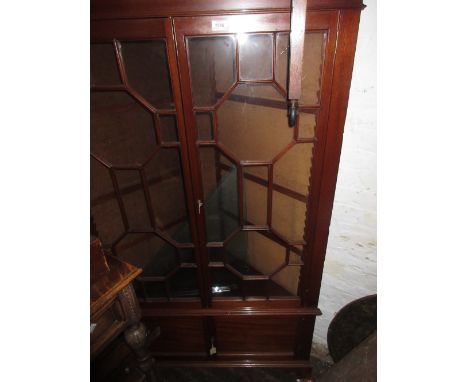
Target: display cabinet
x=197, y=178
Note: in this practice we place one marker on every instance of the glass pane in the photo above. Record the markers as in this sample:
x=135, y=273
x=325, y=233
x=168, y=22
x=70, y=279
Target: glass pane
x=255, y=195
x=256, y=56
x=252, y=253
x=307, y=124
x=288, y=216
x=257, y=173
x=281, y=67
x=292, y=170
x=104, y=207
x=166, y=188
x=312, y=69
x=149, y=252
x=220, y=193
x=212, y=67
x=133, y=199
x=291, y=175
x=249, y=255
x=252, y=122
x=147, y=71
x=104, y=69
x=187, y=255
x=122, y=131
x=225, y=283
x=204, y=126
x=251, y=125
x=216, y=255
x=288, y=278
x=168, y=128
x=184, y=283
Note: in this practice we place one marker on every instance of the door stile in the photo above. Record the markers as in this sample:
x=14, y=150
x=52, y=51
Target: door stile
x=323, y=182
x=185, y=146
x=193, y=159
x=328, y=22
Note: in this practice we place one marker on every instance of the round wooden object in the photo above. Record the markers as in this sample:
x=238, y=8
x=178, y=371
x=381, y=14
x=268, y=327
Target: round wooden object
x=352, y=325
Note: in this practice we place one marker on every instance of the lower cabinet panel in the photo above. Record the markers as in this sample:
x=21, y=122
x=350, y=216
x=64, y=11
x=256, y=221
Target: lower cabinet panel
x=255, y=337
x=179, y=337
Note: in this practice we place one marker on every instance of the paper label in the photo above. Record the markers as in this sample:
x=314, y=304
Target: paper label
x=219, y=25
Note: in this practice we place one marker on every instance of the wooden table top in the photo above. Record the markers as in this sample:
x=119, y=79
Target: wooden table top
x=111, y=283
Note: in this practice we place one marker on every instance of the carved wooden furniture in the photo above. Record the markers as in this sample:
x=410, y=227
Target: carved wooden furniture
x=197, y=179
x=115, y=309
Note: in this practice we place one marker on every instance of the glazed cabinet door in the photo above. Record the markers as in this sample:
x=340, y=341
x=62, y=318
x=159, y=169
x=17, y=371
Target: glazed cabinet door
x=141, y=198
x=251, y=171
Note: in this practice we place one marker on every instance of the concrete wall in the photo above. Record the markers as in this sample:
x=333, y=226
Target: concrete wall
x=350, y=265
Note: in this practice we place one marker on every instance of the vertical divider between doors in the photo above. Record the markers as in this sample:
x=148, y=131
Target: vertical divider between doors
x=192, y=162
x=186, y=149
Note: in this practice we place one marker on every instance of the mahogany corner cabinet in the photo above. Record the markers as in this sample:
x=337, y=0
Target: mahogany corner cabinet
x=198, y=179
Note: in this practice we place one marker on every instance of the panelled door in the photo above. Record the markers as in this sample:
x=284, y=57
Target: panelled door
x=141, y=196
x=250, y=170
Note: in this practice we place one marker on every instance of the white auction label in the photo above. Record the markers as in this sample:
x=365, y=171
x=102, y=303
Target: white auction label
x=219, y=25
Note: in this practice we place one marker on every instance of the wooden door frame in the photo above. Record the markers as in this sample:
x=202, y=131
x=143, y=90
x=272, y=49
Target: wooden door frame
x=107, y=31
x=324, y=177
x=334, y=24
x=124, y=9
x=325, y=161
x=201, y=26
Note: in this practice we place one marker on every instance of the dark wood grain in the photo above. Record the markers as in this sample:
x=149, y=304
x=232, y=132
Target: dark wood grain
x=115, y=310
x=104, y=9
x=111, y=283
x=323, y=182
x=326, y=163
x=209, y=312
x=246, y=362
x=99, y=266
x=184, y=139
x=255, y=335
x=296, y=48
x=179, y=335
x=142, y=29
x=188, y=325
